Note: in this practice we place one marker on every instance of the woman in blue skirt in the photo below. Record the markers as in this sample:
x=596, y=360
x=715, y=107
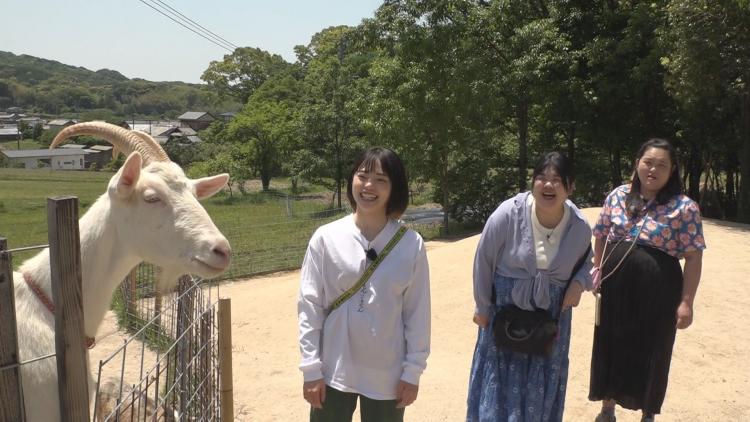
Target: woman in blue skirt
x=528, y=249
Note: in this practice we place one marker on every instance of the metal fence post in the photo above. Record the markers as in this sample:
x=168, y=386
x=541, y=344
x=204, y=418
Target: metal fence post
x=65, y=266
x=226, y=391
x=11, y=403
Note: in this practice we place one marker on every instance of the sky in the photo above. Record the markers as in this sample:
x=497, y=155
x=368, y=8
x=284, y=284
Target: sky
x=132, y=38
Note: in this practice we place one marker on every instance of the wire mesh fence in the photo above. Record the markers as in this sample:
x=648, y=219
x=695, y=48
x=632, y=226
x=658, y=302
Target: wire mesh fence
x=273, y=236
x=169, y=368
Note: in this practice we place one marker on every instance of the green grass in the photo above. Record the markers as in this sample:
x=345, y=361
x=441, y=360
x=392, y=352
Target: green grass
x=25, y=144
x=23, y=204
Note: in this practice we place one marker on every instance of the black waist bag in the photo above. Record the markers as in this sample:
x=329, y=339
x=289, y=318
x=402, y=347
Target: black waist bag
x=530, y=332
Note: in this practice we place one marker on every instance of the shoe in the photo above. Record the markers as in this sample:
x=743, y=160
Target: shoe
x=605, y=417
x=649, y=418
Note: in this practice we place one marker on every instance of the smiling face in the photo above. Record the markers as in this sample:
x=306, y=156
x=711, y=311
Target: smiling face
x=371, y=189
x=653, y=169
x=549, y=190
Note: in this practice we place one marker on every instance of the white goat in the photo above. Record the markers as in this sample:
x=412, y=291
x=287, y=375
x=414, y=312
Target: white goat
x=150, y=212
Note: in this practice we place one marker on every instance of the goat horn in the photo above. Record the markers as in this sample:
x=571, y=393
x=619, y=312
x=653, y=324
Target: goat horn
x=156, y=146
x=122, y=139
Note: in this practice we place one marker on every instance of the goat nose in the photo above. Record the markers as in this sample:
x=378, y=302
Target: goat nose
x=223, y=250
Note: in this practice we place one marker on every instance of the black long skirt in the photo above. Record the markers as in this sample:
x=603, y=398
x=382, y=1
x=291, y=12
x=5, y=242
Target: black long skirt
x=633, y=342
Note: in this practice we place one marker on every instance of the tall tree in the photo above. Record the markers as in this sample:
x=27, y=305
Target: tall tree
x=334, y=67
x=268, y=126
x=243, y=72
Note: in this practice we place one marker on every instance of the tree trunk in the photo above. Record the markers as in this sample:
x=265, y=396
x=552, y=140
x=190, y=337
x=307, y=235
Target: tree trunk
x=571, y=137
x=616, y=174
x=265, y=179
x=446, y=190
x=522, y=115
x=695, y=169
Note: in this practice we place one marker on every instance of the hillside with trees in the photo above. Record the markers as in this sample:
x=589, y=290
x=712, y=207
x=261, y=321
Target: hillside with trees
x=49, y=87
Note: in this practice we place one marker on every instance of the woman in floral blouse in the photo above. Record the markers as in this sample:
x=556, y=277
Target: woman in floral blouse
x=647, y=227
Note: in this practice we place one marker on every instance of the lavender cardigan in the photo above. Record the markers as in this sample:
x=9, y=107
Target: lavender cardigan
x=506, y=247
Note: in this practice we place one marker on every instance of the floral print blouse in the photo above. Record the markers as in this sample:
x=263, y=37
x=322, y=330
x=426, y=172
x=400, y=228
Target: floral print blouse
x=674, y=227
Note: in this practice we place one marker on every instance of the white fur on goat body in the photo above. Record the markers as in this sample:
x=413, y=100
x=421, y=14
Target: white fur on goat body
x=147, y=214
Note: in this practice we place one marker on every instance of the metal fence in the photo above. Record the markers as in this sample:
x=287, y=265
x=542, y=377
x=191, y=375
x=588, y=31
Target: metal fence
x=276, y=239
x=169, y=368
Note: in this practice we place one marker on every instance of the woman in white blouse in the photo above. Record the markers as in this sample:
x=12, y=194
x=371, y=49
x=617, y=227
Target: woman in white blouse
x=374, y=346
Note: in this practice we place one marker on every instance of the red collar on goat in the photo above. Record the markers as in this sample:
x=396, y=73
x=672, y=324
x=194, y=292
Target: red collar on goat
x=90, y=341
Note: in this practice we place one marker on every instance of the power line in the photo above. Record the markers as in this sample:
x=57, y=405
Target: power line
x=188, y=28
x=196, y=24
x=201, y=32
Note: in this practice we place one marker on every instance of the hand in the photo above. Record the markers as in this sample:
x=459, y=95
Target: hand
x=684, y=315
x=572, y=295
x=481, y=320
x=315, y=393
x=405, y=394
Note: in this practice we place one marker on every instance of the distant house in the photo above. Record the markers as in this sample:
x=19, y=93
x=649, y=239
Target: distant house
x=73, y=146
x=100, y=155
x=229, y=115
x=11, y=118
x=183, y=135
x=57, y=159
x=8, y=133
x=196, y=120
x=60, y=123
x=32, y=121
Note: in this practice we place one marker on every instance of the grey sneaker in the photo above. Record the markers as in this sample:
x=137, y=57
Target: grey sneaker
x=605, y=417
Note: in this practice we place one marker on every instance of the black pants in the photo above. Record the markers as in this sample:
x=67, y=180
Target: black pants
x=339, y=407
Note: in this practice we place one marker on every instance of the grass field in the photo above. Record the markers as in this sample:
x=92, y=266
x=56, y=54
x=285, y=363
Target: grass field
x=25, y=144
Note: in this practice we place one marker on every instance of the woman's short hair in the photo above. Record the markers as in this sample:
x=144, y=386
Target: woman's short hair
x=558, y=162
x=634, y=202
x=393, y=167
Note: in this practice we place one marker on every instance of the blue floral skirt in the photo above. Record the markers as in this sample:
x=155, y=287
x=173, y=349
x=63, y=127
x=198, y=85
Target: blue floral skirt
x=509, y=386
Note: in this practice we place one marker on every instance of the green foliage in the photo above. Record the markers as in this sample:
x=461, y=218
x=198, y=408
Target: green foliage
x=242, y=72
x=46, y=86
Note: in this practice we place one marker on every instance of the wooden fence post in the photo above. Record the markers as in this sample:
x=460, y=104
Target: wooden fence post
x=11, y=405
x=226, y=390
x=65, y=266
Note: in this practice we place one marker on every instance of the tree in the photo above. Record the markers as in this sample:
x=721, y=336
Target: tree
x=268, y=127
x=334, y=68
x=708, y=59
x=243, y=72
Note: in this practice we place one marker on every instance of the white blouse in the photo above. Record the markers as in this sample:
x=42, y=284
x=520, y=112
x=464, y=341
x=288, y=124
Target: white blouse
x=546, y=241
x=375, y=338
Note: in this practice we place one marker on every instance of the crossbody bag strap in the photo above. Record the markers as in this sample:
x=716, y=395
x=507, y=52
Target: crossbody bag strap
x=605, y=257
x=368, y=272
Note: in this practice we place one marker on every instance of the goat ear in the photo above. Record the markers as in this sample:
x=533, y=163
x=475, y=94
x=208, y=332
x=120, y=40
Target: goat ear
x=129, y=174
x=207, y=186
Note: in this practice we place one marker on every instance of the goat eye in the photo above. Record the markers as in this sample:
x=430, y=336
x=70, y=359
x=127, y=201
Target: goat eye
x=151, y=199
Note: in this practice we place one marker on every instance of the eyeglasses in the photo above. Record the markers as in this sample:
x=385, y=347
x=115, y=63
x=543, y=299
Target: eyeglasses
x=556, y=181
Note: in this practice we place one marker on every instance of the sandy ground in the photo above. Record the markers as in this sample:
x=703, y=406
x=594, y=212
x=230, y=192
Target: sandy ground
x=709, y=379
